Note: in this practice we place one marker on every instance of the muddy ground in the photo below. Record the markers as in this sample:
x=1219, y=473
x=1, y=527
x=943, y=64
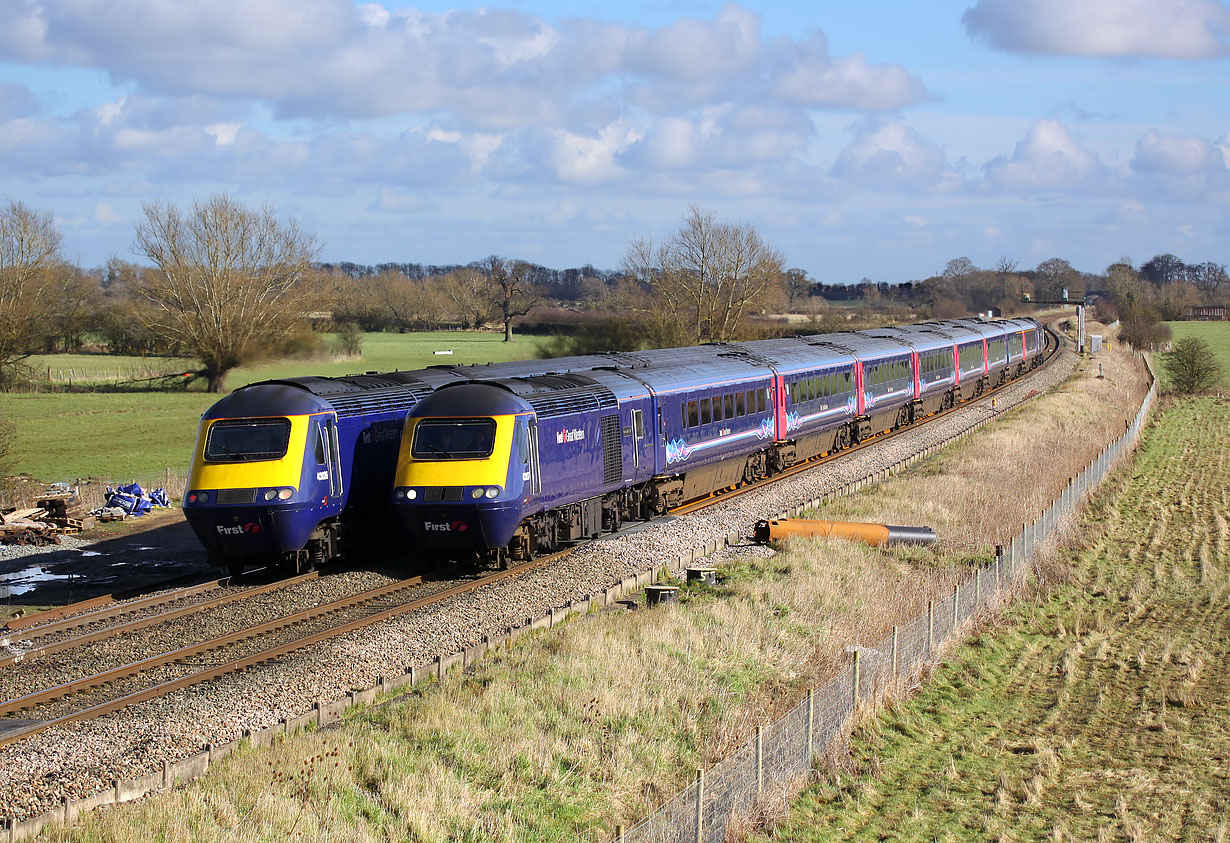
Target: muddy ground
x=108, y=559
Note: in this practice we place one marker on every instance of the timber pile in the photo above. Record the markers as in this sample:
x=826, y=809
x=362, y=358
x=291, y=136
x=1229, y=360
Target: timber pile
x=42, y=524
x=63, y=509
x=22, y=526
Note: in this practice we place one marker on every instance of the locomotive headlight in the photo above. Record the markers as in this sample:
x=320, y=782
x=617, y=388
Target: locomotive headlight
x=284, y=494
x=271, y=494
x=399, y=493
x=476, y=494
x=411, y=494
x=202, y=497
x=493, y=491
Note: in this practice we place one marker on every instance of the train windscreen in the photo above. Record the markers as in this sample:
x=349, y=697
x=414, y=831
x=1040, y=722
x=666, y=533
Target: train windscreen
x=453, y=439
x=247, y=440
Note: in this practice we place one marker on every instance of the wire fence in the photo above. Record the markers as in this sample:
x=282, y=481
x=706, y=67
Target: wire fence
x=776, y=762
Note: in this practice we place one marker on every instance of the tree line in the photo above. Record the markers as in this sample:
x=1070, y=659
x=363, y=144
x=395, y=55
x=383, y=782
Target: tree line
x=227, y=284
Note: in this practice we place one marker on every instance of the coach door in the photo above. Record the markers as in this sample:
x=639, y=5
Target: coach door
x=638, y=436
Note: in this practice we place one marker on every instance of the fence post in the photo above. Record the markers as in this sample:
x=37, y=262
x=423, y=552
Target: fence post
x=759, y=760
x=700, y=806
x=977, y=586
x=811, y=730
x=854, y=703
x=894, y=652
x=930, y=628
x=956, y=602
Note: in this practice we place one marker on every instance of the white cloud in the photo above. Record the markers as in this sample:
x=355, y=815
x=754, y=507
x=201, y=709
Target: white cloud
x=1181, y=29
x=486, y=68
x=1177, y=155
x=590, y=159
x=1046, y=159
x=891, y=154
x=104, y=214
x=807, y=75
x=224, y=133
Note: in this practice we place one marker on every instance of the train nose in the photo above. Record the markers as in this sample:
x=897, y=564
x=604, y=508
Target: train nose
x=459, y=527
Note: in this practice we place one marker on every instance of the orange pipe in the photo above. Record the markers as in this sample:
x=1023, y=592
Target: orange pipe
x=876, y=535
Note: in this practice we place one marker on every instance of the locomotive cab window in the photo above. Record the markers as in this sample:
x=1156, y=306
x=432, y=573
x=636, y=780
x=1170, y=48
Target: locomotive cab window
x=247, y=440
x=453, y=439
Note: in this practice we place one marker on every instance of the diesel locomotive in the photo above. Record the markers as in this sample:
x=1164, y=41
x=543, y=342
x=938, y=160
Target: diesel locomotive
x=509, y=466
x=289, y=472
x=511, y=460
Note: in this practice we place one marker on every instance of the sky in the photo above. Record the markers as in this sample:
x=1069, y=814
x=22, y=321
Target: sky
x=876, y=139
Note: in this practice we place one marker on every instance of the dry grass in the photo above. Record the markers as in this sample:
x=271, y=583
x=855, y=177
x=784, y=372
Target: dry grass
x=1116, y=731
x=980, y=494
x=568, y=733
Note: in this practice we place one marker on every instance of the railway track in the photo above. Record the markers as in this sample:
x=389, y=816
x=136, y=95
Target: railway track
x=163, y=673
x=106, y=692
x=47, y=639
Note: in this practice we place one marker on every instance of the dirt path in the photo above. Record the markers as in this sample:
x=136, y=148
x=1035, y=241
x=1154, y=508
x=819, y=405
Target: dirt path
x=1098, y=711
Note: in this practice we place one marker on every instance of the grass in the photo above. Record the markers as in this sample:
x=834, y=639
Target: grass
x=1096, y=711
x=1216, y=334
x=118, y=437
x=570, y=732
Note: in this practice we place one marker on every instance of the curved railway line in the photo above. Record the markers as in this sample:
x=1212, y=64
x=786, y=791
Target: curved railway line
x=107, y=691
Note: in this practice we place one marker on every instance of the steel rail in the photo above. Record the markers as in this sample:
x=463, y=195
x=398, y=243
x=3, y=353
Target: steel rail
x=213, y=672
x=153, y=620
x=47, y=694
x=104, y=608
x=726, y=494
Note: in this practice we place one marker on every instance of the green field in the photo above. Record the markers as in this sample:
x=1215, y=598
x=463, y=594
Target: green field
x=1216, y=334
x=121, y=436
x=1095, y=711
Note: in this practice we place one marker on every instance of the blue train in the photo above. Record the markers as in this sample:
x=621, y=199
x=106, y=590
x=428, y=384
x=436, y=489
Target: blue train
x=296, y=472
x=511, y=462
x=514, y=459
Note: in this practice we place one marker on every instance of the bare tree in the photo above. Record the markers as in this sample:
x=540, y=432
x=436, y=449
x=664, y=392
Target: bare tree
x=466, y=291
x=707, y=276
x=1054, y=276
x=33, y=281
x=225, y=285
x=797, y=285
x=510, y=289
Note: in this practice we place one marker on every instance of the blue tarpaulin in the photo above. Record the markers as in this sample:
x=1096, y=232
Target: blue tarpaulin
x=132, y=498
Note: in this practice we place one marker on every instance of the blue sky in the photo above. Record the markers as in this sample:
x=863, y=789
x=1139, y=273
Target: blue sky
x=876, y=139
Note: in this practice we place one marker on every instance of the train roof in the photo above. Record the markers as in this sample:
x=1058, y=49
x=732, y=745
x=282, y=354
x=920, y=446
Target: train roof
x=269, y=398
x=990, y=330
x=919, y=340
x=954, y=331
x=792, y=354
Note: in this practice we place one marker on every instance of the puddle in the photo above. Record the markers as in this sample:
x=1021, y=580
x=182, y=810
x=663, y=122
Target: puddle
x=91, y=553
x=155, y=547
x=27, y=579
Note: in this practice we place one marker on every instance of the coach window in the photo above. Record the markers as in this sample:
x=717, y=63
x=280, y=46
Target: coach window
x=706, y=416
x=728, y=401
x=741, y=404
x=716, y=404
x=762, y=399
x=693, y=414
